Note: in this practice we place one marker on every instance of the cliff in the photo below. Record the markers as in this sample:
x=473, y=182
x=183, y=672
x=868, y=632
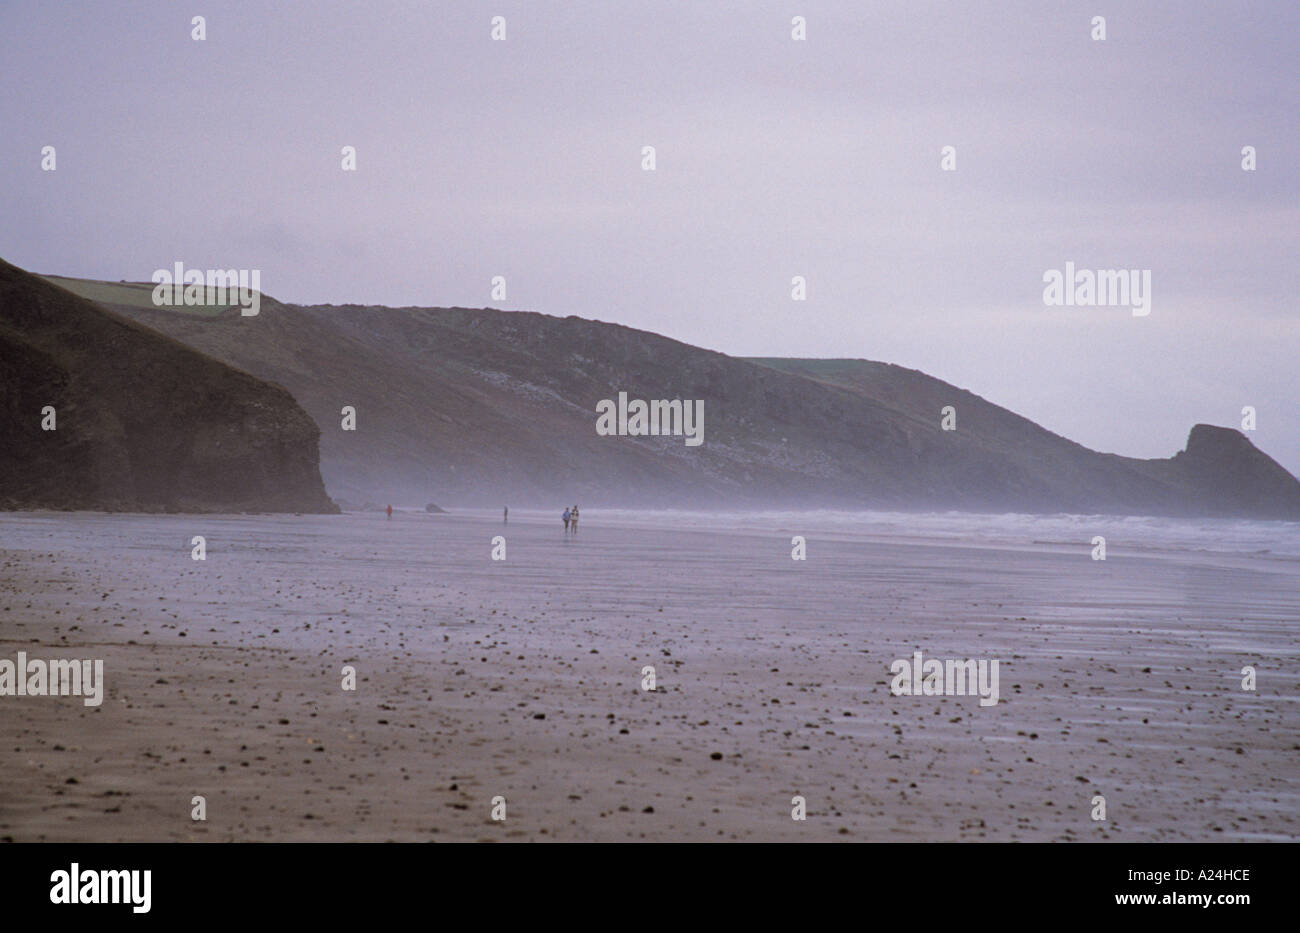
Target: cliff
x=485, y=407
x=141, y=421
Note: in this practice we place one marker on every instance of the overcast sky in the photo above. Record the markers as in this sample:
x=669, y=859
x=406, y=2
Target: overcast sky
x=775, y=158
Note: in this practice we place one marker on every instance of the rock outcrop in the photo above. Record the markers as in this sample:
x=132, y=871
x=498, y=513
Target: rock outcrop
x=1231, y=476
x=140, y=422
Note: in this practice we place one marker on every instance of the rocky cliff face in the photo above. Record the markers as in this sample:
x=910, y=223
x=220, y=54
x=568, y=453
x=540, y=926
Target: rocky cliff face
x=480, y=407
x=141, y=422
x=1232, y=477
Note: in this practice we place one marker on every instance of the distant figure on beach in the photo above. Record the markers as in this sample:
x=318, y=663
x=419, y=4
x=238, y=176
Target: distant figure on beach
x=573, y=519
x=390, y=513
x=566, y=521
x=505, y=516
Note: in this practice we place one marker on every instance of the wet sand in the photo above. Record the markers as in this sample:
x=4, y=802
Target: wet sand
x=522, y=678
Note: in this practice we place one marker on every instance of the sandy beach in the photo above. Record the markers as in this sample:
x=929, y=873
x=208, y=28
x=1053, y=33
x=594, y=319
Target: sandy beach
x=522, y=678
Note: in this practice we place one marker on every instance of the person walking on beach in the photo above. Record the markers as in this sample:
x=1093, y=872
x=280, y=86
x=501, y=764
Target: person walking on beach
x=566, y=521
x=390, y=513
x=505, y=516
x=573, y=519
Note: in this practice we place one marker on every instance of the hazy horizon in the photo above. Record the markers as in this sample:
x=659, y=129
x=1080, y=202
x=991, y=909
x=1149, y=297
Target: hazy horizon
x=775, y=158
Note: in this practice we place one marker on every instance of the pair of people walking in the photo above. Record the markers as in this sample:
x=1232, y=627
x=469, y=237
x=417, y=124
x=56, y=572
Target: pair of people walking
x=571, y=519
